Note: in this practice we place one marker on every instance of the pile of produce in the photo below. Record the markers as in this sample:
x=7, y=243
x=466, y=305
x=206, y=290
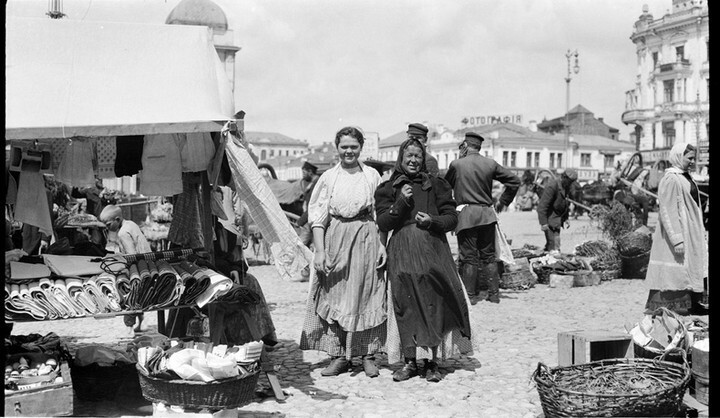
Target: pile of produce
x=603, y=256
x=527, y=251
x=634, y=243
x=548, y=264
x=615, y=221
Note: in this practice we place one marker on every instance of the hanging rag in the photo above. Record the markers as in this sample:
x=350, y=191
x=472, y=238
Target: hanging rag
x=77, y=166
x=185, y=228
x=32, y=201
x=128, y=155
x=162, y=170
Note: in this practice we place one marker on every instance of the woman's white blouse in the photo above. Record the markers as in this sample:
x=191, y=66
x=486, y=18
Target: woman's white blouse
x=342, y=192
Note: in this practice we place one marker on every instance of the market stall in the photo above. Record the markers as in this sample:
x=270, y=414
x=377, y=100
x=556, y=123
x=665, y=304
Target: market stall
x=86, y=99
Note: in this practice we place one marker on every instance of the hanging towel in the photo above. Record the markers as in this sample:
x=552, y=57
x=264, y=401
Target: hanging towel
x=162, y=170
x=32, y=202
x=128, y=155
x=76, y=168
x=196, y=151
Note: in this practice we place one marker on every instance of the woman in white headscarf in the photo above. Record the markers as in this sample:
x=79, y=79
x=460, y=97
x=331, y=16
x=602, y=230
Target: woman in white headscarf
x=679, y=254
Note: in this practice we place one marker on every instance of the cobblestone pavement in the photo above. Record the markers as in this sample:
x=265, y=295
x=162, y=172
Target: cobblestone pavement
x=495, y=381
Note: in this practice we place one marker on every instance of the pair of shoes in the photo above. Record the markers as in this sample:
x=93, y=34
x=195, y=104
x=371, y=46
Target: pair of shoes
x=371, y=369
x=432, y=373
x=408, y=371
x=493, y=298
x=337, y=365
x=474, y=299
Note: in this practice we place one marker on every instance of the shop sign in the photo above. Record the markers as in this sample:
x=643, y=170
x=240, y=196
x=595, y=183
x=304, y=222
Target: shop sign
x=651, y=156
x=492, y=119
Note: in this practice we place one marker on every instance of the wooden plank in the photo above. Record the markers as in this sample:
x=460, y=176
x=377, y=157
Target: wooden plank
x=565, y=349
x=269, y=370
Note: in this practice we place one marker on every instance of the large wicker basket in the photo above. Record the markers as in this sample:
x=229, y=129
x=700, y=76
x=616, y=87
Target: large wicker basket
x=228, y=393
x=613, y=387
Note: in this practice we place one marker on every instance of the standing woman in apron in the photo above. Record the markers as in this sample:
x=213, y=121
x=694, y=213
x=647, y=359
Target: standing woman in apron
x=347, y=307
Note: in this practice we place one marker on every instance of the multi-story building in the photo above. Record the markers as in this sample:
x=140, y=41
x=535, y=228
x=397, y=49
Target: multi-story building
x=267, y=145
x=581, y=122
x=520, y=148
x=671, y=99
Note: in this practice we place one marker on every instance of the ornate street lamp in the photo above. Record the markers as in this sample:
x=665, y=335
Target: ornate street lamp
x=576, y=69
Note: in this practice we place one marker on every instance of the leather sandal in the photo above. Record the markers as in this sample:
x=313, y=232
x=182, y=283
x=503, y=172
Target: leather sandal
x=432, y=373
x=337, y=365
x=371, y=369
x=408, y=371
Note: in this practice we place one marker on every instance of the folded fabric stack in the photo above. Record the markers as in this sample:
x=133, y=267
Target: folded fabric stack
x=58, y=290
x=64, y=298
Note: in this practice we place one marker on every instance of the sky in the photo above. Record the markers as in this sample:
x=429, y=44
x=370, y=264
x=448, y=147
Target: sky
x=307, y=68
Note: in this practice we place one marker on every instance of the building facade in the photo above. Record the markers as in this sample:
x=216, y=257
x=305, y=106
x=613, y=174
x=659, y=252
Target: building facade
x=267, y=145
x=670, y=101
x=581, y=122
x=519, y=148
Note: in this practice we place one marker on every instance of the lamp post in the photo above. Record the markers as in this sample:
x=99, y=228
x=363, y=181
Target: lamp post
x=576, y=69
x=698, y=117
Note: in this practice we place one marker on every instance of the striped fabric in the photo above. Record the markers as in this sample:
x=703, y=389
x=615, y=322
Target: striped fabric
x=290, y=254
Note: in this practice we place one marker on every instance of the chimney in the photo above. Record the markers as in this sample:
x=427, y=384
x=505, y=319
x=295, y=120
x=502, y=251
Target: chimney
x=601, y=120
x=532, y=126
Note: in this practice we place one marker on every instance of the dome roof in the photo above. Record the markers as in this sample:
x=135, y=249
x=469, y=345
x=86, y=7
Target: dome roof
x=198, y=13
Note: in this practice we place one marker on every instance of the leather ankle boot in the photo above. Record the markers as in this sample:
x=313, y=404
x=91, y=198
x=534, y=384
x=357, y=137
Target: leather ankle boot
x=371, y=369
x=337, y=365
x=493, y=278
x=408, y=371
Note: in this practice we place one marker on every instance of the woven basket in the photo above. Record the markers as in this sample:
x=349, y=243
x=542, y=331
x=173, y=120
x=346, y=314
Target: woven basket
x=517, y=280
x=228, y=393
x=634, y=267
x=623, y=387
x=543, y=273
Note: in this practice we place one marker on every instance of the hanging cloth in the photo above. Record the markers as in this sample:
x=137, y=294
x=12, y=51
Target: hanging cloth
x=128, y=155
x=196, y=151
x=185, y=228
x=162, y=171
x=106, y=152
x=76, y=168
x=32, y=201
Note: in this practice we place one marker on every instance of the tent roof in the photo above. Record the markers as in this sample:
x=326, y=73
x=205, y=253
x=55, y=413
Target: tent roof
x=68, y=78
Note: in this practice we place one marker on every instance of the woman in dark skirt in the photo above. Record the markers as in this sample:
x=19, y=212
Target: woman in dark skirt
x=428, y=298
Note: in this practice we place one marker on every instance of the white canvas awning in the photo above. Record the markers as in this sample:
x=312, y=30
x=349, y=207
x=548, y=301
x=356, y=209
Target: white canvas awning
x=68, y=78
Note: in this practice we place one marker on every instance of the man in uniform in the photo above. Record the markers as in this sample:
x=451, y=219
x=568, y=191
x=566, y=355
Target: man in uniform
x=419, y=131
x=471, y=177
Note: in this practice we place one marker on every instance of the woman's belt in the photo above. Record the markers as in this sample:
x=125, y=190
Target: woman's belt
x=361, y=215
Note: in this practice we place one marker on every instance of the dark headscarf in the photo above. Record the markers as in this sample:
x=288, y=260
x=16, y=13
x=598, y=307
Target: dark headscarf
x=399, y=176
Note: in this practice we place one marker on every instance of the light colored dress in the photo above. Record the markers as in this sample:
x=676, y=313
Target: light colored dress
x=347, y=307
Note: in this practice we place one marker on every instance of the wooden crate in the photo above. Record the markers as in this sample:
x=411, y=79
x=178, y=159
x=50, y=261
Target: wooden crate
x=44, y=401
x=579, y=347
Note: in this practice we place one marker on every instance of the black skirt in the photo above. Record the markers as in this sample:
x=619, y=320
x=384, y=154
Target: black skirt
x=427, y=293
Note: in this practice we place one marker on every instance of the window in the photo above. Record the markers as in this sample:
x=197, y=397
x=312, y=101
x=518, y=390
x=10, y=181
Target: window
x=263, y=154
x=528, y=159
x=552, y=160
x=668, y=87
x=537, y=159
x=272, y=153
x=559, y=160
x=680, y=53
x=609, y=161
x=505, y=158
x=287, y=152
x=655, y=59
x=668, y=131
x=584, y=160
x=513, y=159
